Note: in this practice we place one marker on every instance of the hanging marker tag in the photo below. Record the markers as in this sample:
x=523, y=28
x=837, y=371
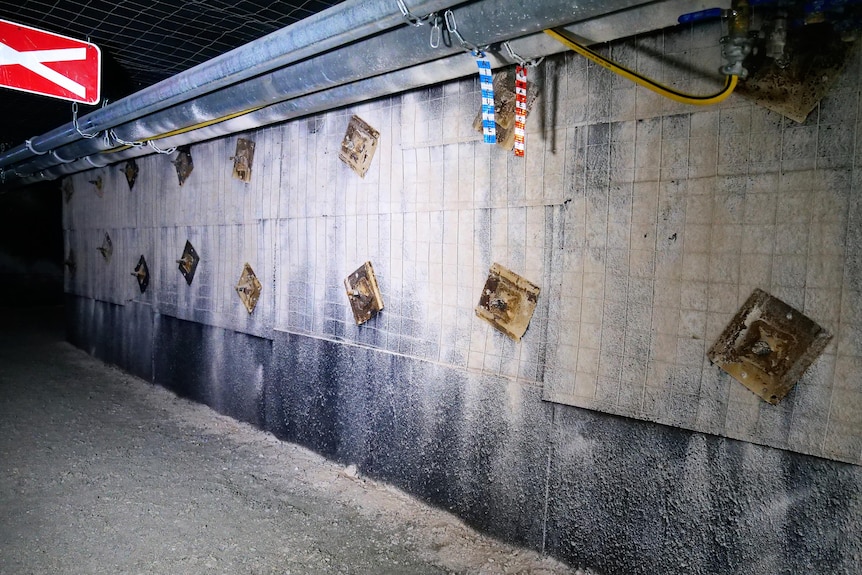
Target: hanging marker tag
x=486, y=83
x=520, y=110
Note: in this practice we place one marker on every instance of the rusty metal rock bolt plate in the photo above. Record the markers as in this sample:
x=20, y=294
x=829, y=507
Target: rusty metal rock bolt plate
x=768, y=345
x=130, y=170
x=248, y=288
x=68, y=189
x=816, y=61
x=142, y=274
x=188, y=262
x=363, y=293
x=358, y=145
x=183, y=163
x=97, y=183
x=508, y=301
x=107, y=248
x=70, y=262
x=243, y=159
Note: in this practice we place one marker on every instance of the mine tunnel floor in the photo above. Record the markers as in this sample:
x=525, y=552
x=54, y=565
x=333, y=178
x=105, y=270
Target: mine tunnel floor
x=102, y=472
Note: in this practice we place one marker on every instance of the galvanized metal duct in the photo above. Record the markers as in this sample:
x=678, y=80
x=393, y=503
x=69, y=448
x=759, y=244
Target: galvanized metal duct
x=322, y=90
x=329, y=29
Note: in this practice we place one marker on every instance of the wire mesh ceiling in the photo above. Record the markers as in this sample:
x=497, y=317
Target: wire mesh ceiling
x=142, y=43
x=154, y=39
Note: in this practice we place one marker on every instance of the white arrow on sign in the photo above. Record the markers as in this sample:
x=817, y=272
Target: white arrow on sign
x=34, y=60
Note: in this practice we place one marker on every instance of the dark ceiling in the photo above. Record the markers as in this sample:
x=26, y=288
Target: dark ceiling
x=142, y=43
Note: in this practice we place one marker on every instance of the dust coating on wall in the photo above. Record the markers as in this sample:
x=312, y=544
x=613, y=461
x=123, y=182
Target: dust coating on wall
x=434, y=399
x=646, y=223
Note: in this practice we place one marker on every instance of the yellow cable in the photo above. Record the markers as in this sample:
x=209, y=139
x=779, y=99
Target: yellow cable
x=179, y=131
x=729, y=84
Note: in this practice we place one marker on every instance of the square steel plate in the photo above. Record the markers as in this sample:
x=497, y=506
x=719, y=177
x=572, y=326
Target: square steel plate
x=131, y=170
x=768, y=345
x=68, y=188
x=97, y=184
x=183, y=163
x=70, y=262
x=363, y=293
x=508, y=301
x=358, y=145
x=243, y=159
x=107, y=248
x=142, y=274
x=248, y=288
x=188, y=262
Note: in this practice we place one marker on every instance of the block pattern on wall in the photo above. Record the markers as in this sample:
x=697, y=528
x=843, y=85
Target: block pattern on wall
x=645, y=223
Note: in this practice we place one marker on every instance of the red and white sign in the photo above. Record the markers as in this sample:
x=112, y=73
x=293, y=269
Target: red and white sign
x=45, y=63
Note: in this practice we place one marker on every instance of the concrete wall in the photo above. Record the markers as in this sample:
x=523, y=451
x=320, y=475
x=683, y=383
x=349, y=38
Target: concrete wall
x=426, y=395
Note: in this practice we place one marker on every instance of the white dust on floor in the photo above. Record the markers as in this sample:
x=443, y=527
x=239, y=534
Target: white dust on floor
x=105, y=473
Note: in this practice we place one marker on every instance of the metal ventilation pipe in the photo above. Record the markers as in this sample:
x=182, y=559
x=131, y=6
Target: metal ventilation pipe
x=387, y=63
x=336, y=26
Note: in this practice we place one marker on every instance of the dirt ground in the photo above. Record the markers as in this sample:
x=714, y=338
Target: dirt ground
x=101, y=472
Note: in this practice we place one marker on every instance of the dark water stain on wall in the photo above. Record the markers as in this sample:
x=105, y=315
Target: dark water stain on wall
x=221, y=368
x=612, y=494
x=628, y=497
x=118, y=335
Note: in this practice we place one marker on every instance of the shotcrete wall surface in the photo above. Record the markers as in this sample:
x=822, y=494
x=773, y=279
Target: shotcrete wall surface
x=432, y=399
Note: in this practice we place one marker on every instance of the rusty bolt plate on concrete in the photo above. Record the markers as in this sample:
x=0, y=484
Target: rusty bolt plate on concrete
x=107, y=248
x=142, y=274
x=70, y=262
x=97, y=183
x=188, y=262
x=243, y=159
x=248, y=288
x=358, y=146
x=183, y=163
x=768, y=345
x=508, y=301
x=363, y=293
x=130, y=170
x=68, y=189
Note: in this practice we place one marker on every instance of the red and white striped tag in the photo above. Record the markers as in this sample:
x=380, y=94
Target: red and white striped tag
x=520, y=110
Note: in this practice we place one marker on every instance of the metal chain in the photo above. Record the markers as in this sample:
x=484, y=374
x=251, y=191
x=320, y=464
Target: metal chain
x=412, y=19
x=158, y=150
x=75, y=123
x=119, y=140
x=435, y=32
x=452, y=28
x=526, y=63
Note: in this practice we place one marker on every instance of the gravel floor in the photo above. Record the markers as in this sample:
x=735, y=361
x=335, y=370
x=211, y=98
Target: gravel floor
x=101, y=472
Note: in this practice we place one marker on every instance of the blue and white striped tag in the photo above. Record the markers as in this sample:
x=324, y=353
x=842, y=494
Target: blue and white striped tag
x=486, y=83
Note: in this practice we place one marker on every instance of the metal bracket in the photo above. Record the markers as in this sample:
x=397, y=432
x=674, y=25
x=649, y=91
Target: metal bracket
x=242, y=159
x=98, y=183
x=183, y=163
x=188, y=262
x=363, y=293
x=107, y=248
x=508, y=301
x=768, y=345
x=142, y=274
x=131, y=172
x=358, y=145
x=248, y=288
x=68, y=188
x=70, y=263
